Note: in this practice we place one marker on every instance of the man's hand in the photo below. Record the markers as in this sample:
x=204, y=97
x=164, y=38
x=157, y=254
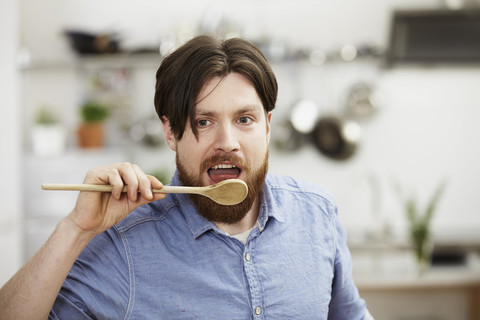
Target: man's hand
x=96, y=212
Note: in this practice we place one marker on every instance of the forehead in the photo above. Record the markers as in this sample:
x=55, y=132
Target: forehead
x=233, y=90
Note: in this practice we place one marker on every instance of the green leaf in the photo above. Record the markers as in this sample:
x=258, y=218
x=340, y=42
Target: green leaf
x=434, y=201
x=92, y=111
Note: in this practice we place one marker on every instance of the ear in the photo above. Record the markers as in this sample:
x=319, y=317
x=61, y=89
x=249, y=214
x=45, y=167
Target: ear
x=269, y=119
x=167, y=132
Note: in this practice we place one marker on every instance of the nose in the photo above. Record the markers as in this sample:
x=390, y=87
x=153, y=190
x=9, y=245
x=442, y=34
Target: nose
x=226, y=139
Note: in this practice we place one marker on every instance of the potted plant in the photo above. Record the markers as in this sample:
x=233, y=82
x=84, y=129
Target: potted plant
x=91, y=131
x=419, y=228
x=48, y=134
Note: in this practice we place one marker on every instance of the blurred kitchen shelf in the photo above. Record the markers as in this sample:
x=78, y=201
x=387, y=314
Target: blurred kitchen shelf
x=122, y=60
x=105, y=61
x=72, y=155
x=379, y=245
x=77, y=159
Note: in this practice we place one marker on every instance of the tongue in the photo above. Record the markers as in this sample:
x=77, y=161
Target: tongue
x=218, y=175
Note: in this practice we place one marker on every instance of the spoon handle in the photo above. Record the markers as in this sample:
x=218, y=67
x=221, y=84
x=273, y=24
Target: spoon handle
x=108, y=188
x=180, y=189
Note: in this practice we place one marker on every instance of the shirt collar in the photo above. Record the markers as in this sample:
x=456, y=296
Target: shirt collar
x=199, y=225
x=269, y=204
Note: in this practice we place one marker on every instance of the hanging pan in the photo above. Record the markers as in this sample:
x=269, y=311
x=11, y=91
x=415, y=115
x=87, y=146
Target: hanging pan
x=336, y=138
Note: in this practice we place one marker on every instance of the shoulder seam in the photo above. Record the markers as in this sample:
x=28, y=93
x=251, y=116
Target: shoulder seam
x=125, y=227
x=131, y=275
x=299, y=189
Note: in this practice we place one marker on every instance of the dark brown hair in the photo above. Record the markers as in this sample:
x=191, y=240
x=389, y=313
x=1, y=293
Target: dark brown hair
x=183, y=73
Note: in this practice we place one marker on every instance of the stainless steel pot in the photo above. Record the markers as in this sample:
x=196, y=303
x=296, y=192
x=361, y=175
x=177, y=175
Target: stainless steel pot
x=363, y=100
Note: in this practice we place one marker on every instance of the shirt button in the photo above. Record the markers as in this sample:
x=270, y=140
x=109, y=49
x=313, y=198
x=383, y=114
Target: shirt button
x=258, y=310
x=247, y=257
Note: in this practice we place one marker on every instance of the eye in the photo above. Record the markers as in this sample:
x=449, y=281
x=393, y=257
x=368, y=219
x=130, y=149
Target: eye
x=245, y=120
x=202, y=123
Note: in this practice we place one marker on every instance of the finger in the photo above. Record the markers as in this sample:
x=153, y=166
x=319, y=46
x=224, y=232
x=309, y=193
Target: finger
x=129, y=177
x=144, y=183
x=114, y=178
x=106, y=175
x=156, y=184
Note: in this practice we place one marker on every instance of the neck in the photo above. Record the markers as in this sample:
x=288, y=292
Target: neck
x=245, y=224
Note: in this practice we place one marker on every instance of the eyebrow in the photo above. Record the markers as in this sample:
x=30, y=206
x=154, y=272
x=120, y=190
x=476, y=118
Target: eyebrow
x=244, y=109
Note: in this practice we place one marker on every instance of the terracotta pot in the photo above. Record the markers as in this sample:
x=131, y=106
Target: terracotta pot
x=91, y=135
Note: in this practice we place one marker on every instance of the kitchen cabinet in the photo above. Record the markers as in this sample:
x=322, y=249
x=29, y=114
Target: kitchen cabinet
x=443, y=294
x=387, y=279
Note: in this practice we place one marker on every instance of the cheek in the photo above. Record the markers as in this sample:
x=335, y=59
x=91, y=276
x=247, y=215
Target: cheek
x=191, y=155
x=256, y=151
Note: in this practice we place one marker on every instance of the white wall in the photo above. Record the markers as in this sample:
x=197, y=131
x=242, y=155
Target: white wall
x=10, y=159
x=424, y=133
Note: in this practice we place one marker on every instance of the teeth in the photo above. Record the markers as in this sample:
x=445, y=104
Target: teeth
x=223, y=166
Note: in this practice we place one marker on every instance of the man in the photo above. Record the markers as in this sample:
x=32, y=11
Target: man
x=280, y=254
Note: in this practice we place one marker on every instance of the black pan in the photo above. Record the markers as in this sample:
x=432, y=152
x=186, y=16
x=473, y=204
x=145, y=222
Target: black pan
x=336, y=138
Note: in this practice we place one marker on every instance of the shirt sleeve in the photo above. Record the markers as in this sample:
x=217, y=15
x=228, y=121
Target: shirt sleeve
x=97, y=286
x=346, y=302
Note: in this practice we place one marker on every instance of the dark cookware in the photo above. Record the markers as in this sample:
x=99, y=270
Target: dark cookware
x=336, y=138
x=88, y=43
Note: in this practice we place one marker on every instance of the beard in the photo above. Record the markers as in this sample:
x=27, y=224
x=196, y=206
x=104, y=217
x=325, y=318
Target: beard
x=213, y=211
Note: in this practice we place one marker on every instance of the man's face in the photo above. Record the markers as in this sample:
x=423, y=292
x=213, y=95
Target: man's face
x=233, y=133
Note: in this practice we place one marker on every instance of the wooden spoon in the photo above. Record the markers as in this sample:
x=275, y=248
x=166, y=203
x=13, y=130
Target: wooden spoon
x=227, y=192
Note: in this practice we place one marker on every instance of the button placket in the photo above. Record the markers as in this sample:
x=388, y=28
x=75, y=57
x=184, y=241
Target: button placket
x=253, y=282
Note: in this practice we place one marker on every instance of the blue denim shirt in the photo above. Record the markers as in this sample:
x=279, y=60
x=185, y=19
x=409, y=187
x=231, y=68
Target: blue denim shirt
x=165, y=261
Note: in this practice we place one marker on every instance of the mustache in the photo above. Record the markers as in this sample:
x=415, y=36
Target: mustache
x=219, y=158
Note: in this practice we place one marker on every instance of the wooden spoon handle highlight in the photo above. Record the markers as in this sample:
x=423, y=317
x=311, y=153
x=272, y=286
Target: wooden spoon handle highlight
x=108, y=188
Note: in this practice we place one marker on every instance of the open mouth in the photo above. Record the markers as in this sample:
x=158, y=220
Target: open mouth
x=222, y=172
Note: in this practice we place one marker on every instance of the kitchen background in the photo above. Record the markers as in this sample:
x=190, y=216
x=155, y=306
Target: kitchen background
x=413, y=126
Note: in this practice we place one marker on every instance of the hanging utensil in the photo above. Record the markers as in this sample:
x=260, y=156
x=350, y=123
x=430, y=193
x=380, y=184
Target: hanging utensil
x=336, y=138
x=362, y=100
